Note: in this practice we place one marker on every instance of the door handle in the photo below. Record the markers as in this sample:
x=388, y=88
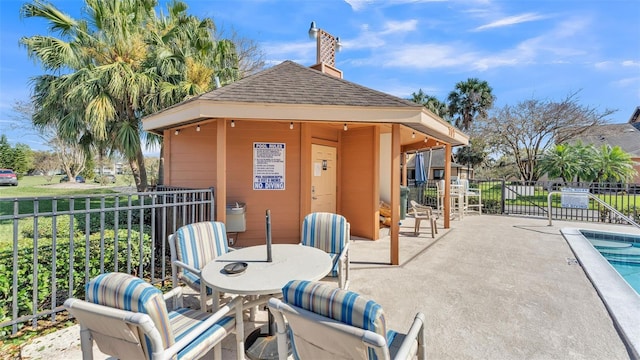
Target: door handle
x=313, y=193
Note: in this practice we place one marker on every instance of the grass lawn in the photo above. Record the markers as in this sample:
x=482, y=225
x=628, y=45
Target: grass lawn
x=30, y=187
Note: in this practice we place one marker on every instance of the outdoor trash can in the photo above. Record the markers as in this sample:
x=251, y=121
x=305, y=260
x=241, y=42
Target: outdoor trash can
x=236, y=217
x=404, y=194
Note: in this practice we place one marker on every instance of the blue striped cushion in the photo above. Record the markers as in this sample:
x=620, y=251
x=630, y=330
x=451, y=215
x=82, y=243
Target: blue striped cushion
x=341, y=305
x=127, y=292
x=325, y=231
x=197, y=244
x=184, y=320
x=336, y=265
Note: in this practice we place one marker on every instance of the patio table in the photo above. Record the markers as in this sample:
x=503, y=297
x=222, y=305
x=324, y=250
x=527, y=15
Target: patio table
x=289, y=262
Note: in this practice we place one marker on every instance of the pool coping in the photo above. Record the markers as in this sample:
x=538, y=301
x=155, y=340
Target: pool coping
x=620, y=299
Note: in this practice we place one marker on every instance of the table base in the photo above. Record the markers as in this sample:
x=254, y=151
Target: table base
x=260, y=345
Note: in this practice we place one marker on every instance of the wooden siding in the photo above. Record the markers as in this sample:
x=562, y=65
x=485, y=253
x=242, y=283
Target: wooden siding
x=190, y=158
x=284, y=204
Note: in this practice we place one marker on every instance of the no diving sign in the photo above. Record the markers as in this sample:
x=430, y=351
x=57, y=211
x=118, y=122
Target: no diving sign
x=269, y=166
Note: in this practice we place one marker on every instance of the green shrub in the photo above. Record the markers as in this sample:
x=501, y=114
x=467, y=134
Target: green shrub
x=45, y=227
x=128, y=243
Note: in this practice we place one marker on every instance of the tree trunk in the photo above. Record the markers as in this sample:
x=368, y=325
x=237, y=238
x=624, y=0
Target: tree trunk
x=161, y=166
x=139, y=171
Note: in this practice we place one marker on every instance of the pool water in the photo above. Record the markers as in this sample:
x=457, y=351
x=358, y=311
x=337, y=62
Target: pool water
x=621, y=250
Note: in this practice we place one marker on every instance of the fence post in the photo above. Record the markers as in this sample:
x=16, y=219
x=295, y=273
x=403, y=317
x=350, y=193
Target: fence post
x=502, y=196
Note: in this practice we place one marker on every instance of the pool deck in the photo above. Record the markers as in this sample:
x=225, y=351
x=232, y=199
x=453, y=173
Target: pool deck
x=491, y=287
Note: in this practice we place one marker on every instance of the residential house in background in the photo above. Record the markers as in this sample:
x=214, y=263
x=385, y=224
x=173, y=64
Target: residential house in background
x=625, y=135
x=434, y=165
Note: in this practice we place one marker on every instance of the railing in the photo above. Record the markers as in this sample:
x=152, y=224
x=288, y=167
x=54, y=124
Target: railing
x=58, y=243
x=530, y=199
x=620, y=215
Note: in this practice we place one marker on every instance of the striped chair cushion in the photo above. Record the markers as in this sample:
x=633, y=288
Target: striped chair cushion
x=336, y=265
x=325, y=231
x=199, y=243
x=127, y=292
x=184, y=320
x=341, y=305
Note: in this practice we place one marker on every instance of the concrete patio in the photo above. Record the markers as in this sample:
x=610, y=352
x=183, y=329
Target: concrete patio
x=491, y=287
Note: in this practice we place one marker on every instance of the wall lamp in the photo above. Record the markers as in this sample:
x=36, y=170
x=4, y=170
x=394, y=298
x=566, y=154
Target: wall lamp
x=233, y=123
x=177, y=132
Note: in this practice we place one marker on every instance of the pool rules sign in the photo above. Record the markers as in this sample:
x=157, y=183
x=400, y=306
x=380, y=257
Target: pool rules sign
x=268, y=166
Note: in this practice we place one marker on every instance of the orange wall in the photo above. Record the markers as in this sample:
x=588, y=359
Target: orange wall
x=636, y=179
x=283, y=204
x=359, y=182
x=190, y=157
x=190, y=161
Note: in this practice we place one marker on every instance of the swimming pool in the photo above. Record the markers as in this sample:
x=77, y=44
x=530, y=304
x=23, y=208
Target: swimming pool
x=622, y=251
x=621, y=300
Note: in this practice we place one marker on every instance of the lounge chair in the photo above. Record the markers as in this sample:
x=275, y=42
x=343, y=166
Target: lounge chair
x=129, y=318
x=422, y=212
x=331, y=233
x=324, y=322
x=192, y=247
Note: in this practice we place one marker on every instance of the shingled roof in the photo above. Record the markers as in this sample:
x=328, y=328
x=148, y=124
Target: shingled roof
x=292, y=92
x=624, y=135
x=292, y=83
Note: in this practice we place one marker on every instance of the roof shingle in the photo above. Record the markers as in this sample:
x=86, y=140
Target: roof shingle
x=292, y=83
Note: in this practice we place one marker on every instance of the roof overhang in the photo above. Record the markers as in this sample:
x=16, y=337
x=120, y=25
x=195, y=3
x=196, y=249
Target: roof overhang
x=416, y=118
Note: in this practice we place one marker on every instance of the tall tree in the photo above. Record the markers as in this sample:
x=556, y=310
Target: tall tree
x=524, y=131
x=432, y=104
x=470, y=99
x=116, y=65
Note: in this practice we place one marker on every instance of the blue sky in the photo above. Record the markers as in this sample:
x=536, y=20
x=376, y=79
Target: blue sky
x=544, y=49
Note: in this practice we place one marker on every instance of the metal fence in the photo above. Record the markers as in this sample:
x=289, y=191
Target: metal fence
x=58, y=243
x=530, y=199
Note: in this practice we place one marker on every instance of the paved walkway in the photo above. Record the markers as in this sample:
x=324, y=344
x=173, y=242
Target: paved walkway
x=491, y=287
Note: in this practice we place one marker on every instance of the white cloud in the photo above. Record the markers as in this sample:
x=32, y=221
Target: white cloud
x=358, y=5
x=391, y=27
x=511, y=20
x=425, y=56
x=633, y=63
x=286, y=50
x=628, y=82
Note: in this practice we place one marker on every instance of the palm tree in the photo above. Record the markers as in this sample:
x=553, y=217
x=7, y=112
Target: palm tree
x=187, y=62
x=470, y=99
x=118, y=64
x=560, y=161
x=431, y=103
x=614, y=164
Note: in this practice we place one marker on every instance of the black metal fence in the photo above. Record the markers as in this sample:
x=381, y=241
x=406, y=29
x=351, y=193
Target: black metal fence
x=51, y=246
x=530, y=199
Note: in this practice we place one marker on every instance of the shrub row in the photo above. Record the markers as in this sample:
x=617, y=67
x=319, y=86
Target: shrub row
x=128, y=244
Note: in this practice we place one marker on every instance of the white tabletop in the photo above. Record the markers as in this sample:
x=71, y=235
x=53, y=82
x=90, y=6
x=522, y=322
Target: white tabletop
x=263, y=278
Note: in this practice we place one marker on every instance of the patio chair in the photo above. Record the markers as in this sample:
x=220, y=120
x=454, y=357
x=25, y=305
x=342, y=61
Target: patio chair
x=324, y=322
x=331, y=233
x=471, y=193
x=456, y=197
x=192, y=247
x=422, y=212
x=129, y=318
